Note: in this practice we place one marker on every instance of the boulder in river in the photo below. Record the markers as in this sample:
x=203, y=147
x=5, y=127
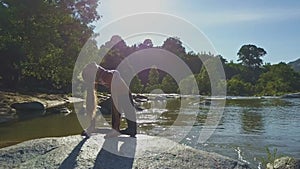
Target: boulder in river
x=284, y=163
x=140, y=98
x=28, y=106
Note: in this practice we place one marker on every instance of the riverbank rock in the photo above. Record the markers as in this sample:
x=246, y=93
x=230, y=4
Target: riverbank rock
x=292, y=95
x=28, y=106
x=140, y=98
x=13, y=102
x=284, y=163
x=121, y=152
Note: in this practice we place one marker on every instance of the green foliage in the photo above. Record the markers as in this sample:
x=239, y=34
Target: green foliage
x=211, y=77
x=270, y=80
x=269, y=158
x=203, y=81
x=279, y=79
x=113, y=52
x=41, y=40
x=153, y=76
x=153, y=80
x=195, y=61
x=245, y=73
x=174, y=45
x=186, y=86
x=250, y=55
x=237, y=87
x=146, y=44
x=136, y=85
x=169, y=85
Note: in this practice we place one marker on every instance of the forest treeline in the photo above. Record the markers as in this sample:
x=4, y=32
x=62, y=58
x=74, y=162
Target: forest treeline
x=248, y=77
x=41, y=40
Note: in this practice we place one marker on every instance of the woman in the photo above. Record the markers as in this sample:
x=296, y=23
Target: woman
x=94, y=74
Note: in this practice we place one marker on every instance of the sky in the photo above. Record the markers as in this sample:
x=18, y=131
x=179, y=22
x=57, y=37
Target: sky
x=273, y=25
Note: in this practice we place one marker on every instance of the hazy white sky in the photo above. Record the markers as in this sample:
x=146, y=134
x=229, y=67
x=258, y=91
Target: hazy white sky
x=273, y=25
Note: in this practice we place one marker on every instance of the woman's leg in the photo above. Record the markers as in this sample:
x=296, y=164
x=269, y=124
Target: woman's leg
x=130, y=116
x=91, y=102
x=116, y=120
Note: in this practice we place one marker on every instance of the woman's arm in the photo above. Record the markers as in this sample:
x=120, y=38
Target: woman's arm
x=104, y=76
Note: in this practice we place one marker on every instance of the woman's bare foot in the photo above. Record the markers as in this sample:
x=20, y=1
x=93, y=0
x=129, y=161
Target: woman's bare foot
x=88, y=132
x=129, y=132
x=85, y=134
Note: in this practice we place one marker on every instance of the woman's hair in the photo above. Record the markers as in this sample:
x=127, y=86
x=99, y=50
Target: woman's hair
x=89, y=72
x=88, y=75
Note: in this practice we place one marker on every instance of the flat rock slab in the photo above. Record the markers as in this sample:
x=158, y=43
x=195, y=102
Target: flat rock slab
x=114, y=153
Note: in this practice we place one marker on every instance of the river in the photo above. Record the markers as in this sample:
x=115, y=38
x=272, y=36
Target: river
x=245, y=129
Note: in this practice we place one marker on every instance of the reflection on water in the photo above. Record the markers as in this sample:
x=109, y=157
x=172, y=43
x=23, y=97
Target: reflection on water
x=27, y=115
x=246, y=127
x=252, y=103
x=249, y=126
x=252, y=121
x=40, y=126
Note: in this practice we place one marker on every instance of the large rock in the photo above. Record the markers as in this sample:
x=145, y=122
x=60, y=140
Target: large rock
x=34, y=105
x=121, y=152
x=284, y=163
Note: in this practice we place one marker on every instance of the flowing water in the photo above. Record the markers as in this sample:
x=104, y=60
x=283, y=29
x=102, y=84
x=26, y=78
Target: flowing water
x=245, y=129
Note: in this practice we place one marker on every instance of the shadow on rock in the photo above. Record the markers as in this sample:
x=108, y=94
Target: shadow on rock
x=116, y=153
x=71, y=160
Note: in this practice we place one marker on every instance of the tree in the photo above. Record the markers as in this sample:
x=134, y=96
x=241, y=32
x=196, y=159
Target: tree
x=146, y=44
x=237, y=87
x=250, y=56
x=174, y=45
x=245, y=73
x=203, y=82
x=136, y=85
x=280, y=79
x=113, y=52
x=186, y=86
x=153, y=80
x=169, y=85
x=46, y=37
x=211, y=77
x=193, y=61
x=11, y=49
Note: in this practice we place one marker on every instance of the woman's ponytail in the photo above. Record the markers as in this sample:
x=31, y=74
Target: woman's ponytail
x=91, y=103
x=91, y=98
